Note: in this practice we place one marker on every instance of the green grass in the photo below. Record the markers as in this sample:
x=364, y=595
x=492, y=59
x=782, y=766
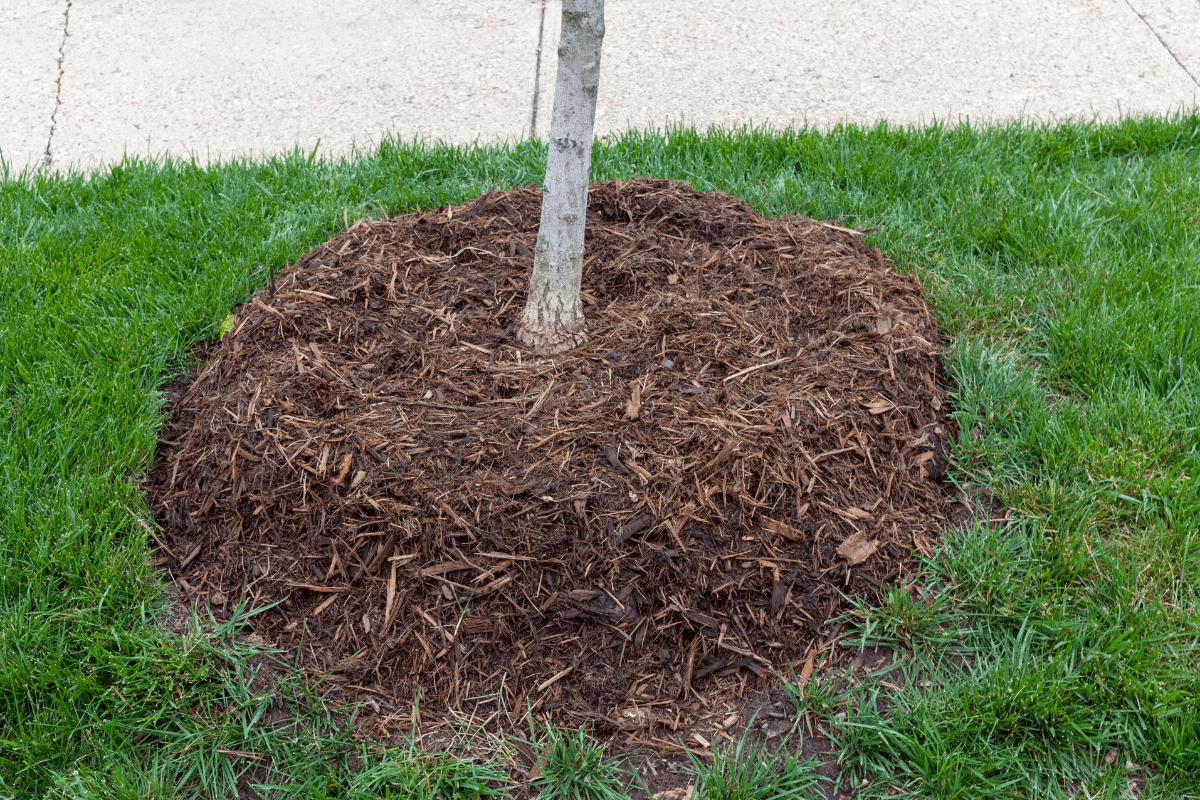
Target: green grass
x=748, y=771
x=1063, y=263
x=571, y=765
x=814, y=702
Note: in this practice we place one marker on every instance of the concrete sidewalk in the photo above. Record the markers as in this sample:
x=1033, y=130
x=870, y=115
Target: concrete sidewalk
x=84, y=81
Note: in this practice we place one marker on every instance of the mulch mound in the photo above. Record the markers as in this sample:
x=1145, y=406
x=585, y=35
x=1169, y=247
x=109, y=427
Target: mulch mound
x=753, y=434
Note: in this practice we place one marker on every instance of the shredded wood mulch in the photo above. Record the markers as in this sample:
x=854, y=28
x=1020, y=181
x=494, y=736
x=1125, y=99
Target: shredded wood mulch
x=754, y=432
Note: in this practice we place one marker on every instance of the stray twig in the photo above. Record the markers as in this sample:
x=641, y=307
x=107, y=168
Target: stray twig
x=748, y=370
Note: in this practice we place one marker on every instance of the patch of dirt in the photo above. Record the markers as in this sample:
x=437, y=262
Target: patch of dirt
x=754, y=433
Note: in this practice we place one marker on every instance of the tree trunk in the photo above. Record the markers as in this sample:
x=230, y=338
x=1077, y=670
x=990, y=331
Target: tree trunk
x=553, y=319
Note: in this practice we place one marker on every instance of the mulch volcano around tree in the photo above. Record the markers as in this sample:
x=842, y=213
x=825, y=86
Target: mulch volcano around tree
x=752, y=434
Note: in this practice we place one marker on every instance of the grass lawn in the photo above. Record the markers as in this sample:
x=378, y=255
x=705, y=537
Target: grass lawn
x=1063, y=263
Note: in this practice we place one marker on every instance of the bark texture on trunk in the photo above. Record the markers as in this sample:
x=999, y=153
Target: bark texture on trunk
x=553, y=318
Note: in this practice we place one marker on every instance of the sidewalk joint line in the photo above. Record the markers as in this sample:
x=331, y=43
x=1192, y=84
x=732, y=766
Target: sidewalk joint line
x=58, y=83
x=1163, y=42
x=537, y=71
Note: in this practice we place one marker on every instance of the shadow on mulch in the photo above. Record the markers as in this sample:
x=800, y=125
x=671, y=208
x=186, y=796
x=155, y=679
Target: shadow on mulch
x=629, y=534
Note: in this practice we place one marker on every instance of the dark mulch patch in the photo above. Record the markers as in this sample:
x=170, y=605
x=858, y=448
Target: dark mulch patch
x=753, y=434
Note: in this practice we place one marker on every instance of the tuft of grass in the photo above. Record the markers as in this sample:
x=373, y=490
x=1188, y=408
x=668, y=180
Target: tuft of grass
x=749, y=771
x=914, y=619
x=571, y=765
x=409, y=773
x=817, y=700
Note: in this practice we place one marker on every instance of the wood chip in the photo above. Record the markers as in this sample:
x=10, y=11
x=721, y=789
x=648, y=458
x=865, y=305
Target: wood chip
x=782, y=529
x=807, y=670
x=743, y=372
x=546, y=684
x=634, y=407
x=880, y=406
x=686, y=793
x=856, y=549
x=499, y=583
x=851, y=513
x=314, y=588
x=191, y=556
x=324, y=605
x=391, y=596
x=447, y=567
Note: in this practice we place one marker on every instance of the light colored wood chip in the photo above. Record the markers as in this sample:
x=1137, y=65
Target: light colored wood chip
x=503, y=556
x=316, y=294
x=807, y=670
x=880, y=406
x=391, y=597
x=856, y=549
x=442, y=569
x=344, y=467
x=494, y=571
x=546, y=684
x=757, y=367
x=833, y=227
x=494, y=585
x=313, y=588
x=782, y=528
x=328, y=602
x=634, y=407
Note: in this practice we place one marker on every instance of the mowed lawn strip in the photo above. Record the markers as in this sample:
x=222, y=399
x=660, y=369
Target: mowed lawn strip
x=1063, y=261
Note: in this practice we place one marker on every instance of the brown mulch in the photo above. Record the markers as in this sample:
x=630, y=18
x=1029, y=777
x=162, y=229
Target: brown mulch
x=753, y=434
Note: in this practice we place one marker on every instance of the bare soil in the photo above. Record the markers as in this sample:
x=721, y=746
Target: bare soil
x=753, y=434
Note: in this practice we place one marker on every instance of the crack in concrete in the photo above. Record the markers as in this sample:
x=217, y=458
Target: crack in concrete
x=537, y=71
x=58, y=83
x=1163, y=42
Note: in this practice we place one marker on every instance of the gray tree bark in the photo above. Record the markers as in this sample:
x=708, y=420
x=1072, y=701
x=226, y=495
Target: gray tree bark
x=553, y=318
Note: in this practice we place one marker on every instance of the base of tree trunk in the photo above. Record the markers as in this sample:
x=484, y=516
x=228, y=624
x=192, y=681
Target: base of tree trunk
x=548, y=339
